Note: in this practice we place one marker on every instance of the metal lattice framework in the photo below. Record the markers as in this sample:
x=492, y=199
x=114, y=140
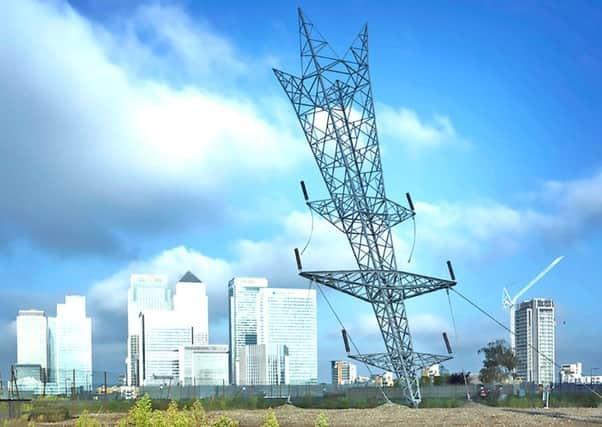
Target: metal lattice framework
x=333, y=101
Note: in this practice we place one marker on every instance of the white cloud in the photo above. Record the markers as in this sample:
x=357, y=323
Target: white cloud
x=424, y=326
x=473, y=229
x=186, y=43
x=404, y=125
x=563, y=212
x=110, y=294
x=101, y=149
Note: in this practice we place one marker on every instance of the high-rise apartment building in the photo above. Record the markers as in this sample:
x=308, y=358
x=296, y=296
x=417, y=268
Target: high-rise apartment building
x=70, y=349
x=343, y=372
x=32, y=338
x=146, y=292
x=287, y=317
x=535, y=341
x=242, y=307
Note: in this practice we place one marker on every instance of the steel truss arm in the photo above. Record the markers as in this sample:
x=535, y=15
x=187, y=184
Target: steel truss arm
x=395, y=286
x=383, y=360
x=383, y=213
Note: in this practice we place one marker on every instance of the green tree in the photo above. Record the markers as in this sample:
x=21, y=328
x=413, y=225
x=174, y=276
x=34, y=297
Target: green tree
x=458, y=378
x=499, y=362
x=440, y=379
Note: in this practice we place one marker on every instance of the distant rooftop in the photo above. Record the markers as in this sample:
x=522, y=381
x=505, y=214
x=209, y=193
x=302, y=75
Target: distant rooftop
x=190, y=278
x=31, y=312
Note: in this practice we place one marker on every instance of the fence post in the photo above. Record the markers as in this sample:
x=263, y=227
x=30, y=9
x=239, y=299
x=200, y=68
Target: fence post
x=15, y=387
x=45, y=379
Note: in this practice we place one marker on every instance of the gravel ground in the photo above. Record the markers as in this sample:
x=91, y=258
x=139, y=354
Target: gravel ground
x=395, y=415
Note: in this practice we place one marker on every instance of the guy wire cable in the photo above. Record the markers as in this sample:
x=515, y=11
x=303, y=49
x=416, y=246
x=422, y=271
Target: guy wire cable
x=451, y=310
x=351, y=339
x=413, y=240
x=311, y=231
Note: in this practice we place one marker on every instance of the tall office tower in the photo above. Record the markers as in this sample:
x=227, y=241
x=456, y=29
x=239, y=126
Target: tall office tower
x=203, y=364
x=190, y=301
x=242, y=308
x=343, y=372
x=162, y=334
x=535, y=341
x=146, y=292
x=262, y=364
x=288, y=317
x=32, y=338
x=70, y=337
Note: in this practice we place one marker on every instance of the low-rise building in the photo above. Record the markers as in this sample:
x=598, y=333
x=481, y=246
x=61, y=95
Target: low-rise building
x=343, y=372
x=203, y=364
x=571, y=373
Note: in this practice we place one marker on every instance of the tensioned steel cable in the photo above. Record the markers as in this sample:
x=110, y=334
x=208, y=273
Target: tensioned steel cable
x=350, y=339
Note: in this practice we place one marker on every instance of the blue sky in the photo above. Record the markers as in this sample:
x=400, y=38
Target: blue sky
x=153, y=137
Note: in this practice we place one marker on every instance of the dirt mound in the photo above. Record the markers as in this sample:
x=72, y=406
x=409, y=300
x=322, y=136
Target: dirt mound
x=472, y=404
x=392, y=407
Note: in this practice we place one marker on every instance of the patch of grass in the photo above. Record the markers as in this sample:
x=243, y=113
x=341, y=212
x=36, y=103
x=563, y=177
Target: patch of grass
x=335, y=402
x=84, y=420
x=49, y=414
x=534, y=400
x=440, y=403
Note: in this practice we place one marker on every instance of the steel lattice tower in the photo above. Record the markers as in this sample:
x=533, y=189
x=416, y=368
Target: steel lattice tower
x=333, y=102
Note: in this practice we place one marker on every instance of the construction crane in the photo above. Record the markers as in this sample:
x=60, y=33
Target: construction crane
x=509, y=303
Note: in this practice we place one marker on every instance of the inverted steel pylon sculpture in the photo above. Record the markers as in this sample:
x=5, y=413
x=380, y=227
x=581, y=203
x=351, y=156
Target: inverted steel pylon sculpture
x=333, y=101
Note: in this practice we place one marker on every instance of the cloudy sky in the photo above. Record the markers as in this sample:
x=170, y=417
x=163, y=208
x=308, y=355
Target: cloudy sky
x=153, y=137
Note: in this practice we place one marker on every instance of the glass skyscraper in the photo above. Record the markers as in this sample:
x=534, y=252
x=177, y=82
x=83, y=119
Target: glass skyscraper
x=70, y=347
x=54, y=355
x=287, y=317
x=271, y=317
x=242, y=306
x=191, y=302
x=161, y=324
x=32, y=338
x=146, y=292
